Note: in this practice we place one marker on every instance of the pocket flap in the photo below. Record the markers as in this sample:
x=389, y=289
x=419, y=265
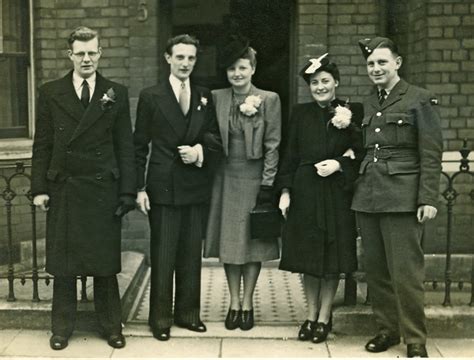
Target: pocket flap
x=52, y=174
x=116, y=173
x=366, y=121
x=400, y=119
x=402, y=167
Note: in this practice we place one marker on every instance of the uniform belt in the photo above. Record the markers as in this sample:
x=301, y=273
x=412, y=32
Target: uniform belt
x=376, y=153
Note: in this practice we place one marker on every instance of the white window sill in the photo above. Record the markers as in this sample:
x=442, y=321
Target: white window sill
x=15, y=149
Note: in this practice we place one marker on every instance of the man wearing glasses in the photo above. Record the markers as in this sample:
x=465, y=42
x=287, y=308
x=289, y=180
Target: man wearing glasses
x=83, y=174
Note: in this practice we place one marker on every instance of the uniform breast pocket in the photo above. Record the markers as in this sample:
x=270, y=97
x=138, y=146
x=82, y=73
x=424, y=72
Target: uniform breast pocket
x=404, y=126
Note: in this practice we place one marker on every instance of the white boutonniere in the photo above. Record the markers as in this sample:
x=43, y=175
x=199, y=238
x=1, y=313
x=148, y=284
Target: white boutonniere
x=251, y=104
x=342, y=116
x=202, y=103
x=108, y=99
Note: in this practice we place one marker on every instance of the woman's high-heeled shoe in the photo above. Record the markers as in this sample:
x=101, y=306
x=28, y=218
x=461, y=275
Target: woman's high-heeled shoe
x=246, y=320
x=306, y=330
x=232, y=321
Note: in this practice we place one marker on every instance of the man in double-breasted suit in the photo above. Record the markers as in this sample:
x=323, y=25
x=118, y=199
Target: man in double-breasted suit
x=84, y=174
x=178, y=119
x=397, y=191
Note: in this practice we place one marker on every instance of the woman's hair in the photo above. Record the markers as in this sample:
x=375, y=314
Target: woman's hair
x=330, y=68
x=82, y=33
x=251, y=54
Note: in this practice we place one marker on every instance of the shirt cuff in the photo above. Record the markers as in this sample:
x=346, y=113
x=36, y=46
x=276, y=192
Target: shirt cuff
x=200, y=155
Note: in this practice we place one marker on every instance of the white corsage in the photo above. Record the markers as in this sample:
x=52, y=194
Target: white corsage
x=202, y=103
x=251, y=104
x=108, y=99
x=342, y=117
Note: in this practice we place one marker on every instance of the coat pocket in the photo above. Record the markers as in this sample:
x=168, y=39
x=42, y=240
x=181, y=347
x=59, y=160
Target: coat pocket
x=404, y=126
x=402, y=167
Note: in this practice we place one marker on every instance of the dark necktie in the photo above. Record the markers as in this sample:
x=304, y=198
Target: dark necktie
x=382, y=94
x=85, y=94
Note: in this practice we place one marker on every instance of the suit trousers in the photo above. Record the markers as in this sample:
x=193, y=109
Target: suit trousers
x=106, y=302
x=394, y=265
x=175, y=249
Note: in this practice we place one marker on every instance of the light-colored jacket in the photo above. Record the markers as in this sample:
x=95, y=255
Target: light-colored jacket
x=262, y=131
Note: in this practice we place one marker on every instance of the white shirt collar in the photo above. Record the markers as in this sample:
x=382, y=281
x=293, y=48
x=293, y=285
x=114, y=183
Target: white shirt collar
x=77, y=81
x=176, y=85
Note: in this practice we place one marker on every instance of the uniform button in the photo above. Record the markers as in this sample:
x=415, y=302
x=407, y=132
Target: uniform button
x=378, y=113
x=375, y=159
x=400, y=121
x=377, y=130
x=98, y=176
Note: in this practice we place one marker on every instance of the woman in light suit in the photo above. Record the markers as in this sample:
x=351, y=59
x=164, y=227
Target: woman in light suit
x=250, y=126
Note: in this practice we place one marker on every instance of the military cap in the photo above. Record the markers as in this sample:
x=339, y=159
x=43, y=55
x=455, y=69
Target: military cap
x=369, y=45
x=321, y=63
x=233, y=50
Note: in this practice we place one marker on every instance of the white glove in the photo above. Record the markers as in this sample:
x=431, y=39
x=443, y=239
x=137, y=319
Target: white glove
x=143, y=202
x=327, y=167
x=426, y=212
x=349, y=153
x=284, y=204
x=42, y=201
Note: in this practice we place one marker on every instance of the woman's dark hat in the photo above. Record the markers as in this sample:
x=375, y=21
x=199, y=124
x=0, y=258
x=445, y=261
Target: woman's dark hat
x=313, y=65
x=233, y=51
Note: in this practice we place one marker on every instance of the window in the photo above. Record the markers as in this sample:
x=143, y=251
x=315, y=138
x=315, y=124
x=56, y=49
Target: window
x=14, y=68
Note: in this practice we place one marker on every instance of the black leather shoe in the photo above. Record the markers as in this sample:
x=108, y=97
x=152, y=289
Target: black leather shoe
x=196, y=326
x=246, y=320
x=381, y=343
x=117, y=341
x=320, y=332
x=58, y=342
x=416, y=350
x=232, y=321
x=306, y=330
x=162, y=334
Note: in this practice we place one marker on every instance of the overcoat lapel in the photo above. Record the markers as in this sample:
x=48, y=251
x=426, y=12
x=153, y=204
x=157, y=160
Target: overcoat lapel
x=67, y=98
x=197, y=116
x=170, y=109
x=223, y=107
x=396, y=94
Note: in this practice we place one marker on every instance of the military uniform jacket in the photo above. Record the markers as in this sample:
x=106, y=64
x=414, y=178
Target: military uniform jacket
x=83, y=159
x=160, y=121
x=402, y=137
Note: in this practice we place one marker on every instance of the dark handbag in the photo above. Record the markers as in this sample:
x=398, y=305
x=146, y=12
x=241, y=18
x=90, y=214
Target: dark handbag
x=265, y=222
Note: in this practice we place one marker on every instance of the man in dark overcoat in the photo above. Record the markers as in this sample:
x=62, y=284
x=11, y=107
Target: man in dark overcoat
x=84, y=174
x=397, y=191
x=178, y=119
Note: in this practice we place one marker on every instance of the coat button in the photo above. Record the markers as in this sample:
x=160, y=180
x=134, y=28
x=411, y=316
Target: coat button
x=378, y=113
x=61, y=128
x=98, y=176
x=377, y=130
x=400, y=122
x=69, y=151
x=98, y=153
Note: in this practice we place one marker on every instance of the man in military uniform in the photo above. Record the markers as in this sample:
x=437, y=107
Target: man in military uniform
x=395, y=194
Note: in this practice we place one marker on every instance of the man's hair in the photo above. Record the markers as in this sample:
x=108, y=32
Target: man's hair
x=251, y=55
x=82, y=33
x=389, y=44
x=181, y=39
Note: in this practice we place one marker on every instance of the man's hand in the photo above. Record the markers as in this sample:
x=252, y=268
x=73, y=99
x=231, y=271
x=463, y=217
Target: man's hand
x=189, y=154
x=284, y=204
x=327, y=167
x=349, y=153
x=127, y=204
x=426, y=212
x=42, y=201
x=143, y=202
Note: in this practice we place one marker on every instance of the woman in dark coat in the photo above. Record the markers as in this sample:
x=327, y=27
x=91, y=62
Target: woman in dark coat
x=316, y=176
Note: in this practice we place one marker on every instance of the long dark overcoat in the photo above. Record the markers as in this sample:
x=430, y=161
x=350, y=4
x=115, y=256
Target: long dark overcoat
x=84, y=160
x=319, y=237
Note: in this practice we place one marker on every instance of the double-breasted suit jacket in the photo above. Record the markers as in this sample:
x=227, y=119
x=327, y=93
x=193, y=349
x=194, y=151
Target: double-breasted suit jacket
x=401, y=170
x=83, y=159
x=160, y=121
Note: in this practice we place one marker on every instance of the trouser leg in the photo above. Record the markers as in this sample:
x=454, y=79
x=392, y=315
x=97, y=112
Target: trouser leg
x=63, y=313
x=107, y=304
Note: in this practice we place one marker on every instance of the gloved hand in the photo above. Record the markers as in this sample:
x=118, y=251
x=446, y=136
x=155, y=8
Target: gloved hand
x=284, y=204
x=327, y=167
x=143, y=202
x=127, y=203
x=42, y=201
x=265, y=195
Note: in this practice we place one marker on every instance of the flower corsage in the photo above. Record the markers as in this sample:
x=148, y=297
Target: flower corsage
x=251, y=104
x=202, y=103
x=108, y=99
x=342, y=116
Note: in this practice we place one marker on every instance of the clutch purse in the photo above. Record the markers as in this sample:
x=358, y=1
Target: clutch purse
x=265, y=222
